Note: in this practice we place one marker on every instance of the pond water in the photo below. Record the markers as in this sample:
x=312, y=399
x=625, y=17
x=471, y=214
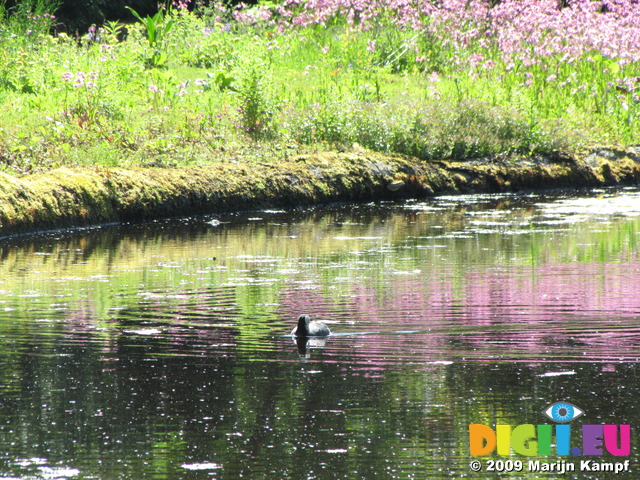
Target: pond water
x=162, y=350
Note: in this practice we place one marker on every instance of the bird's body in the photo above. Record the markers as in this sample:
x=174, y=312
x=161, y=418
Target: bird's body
x=308, y=328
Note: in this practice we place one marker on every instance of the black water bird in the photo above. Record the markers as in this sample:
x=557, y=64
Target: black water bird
x=308, y=328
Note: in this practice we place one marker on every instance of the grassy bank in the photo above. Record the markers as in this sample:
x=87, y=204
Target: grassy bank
x=83, y=196
x=438, y=80
x=197, y=108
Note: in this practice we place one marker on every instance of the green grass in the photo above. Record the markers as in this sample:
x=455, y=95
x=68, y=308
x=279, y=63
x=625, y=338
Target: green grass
x=205, y=92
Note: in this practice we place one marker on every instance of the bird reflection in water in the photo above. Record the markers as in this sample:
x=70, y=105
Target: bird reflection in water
x=305, y=343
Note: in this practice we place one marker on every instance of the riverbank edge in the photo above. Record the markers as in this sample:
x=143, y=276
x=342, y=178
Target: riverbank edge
x=77, y=197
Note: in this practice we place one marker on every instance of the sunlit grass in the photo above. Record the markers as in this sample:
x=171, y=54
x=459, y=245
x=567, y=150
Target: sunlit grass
x=250, y=85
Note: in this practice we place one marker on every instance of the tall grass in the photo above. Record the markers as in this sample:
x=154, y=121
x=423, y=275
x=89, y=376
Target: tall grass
x=445, y=79
x=28, y=18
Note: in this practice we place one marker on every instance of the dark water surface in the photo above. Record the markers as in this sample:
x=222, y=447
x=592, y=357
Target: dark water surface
x=161, y=350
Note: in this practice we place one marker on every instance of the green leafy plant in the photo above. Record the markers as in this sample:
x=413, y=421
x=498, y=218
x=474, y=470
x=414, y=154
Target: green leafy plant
x=157, y=27
x=114, y=31
x=223, y=80
x=257, y=104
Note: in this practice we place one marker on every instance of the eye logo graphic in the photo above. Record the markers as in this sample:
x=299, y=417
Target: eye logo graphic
x=563, y=412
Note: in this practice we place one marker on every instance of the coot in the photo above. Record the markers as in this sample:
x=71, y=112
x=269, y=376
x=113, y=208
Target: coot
x=308, y=328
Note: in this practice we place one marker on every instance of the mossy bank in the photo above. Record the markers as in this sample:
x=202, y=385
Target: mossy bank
x=73, y=197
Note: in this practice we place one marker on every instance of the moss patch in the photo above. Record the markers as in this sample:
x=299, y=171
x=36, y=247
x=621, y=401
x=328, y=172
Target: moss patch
x=81, y=196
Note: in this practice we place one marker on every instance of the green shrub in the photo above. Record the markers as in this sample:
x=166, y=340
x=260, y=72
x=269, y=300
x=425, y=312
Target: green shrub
x=257, y=103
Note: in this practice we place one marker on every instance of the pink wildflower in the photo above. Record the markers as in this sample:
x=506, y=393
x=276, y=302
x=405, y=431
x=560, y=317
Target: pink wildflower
x=80, y=76
x=182, y=89
x=181, y=5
